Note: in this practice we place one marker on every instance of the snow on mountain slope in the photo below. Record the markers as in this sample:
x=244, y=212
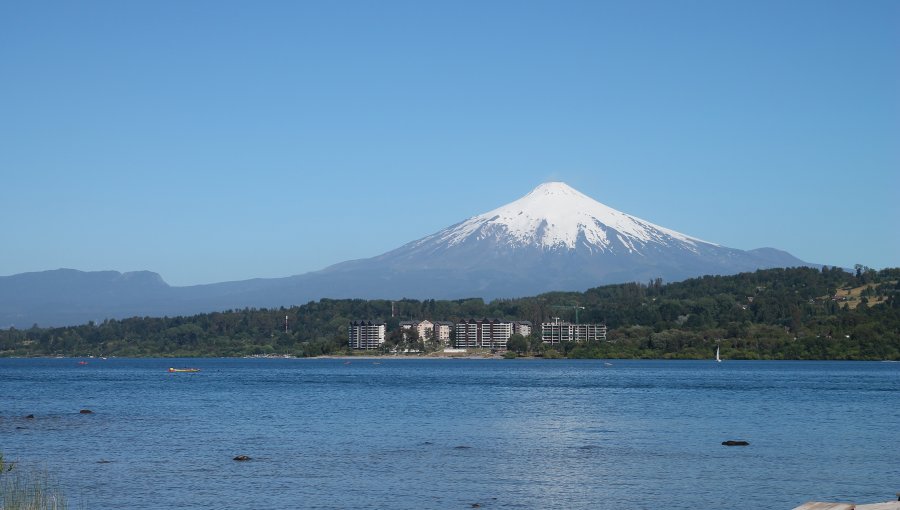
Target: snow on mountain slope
x=555, y=216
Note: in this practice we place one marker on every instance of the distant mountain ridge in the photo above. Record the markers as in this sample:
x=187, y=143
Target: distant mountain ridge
x=554, y=238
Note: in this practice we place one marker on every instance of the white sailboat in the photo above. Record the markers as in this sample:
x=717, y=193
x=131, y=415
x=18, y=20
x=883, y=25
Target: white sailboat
x=718, y=359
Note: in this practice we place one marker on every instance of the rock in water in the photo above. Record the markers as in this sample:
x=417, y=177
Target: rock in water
x=241, y=458
x=735, y=443
x=86, y=411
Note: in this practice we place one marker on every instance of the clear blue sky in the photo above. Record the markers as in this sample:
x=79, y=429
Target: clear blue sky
x=214, y=141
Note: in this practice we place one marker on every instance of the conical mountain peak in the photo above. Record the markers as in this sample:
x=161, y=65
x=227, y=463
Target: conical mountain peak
x=556, y=216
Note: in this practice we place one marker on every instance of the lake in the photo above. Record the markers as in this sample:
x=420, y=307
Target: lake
x=445, y=434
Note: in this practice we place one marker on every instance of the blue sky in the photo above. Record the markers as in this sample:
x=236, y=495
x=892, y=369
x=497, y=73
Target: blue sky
x=214, y=141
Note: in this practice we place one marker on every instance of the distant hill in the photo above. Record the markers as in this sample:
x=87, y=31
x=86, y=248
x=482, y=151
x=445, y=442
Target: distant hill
x=799, y=313
x=553, y=239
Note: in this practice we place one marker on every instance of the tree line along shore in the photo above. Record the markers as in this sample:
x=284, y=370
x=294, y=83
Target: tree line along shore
x=793, y=313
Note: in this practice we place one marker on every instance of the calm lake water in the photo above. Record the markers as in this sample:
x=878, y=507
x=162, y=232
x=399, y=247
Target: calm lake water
x=444, y=434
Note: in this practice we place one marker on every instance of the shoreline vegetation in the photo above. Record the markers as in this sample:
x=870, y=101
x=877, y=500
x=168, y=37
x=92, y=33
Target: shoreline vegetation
x=25, y=488
x=790, y=314
x=472, y=356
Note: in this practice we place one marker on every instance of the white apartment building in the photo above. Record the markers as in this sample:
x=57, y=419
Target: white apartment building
x=556, y=332
x=483, y=333
x=366, y=334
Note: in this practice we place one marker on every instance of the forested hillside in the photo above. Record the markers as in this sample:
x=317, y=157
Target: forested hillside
x=798, y=313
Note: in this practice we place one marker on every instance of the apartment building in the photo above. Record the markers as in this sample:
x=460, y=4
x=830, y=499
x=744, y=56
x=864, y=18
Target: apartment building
x=523, y=328
x=483, y=333
x=442, y=331
x=556, y=332
x=366, y=334
x=424, y=328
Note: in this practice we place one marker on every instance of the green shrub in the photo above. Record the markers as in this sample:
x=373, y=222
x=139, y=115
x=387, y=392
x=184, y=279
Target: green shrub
x=551, y=354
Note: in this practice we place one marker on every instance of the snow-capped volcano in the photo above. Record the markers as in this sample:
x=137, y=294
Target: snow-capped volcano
x=557, y=216
x=552, y=239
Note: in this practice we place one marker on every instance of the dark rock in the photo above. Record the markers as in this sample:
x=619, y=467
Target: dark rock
x=103, y=461
x=242, y=458
x=735, y=443
x=29, y=417
x=476, y=505
x=462, y=447
x=86, y=411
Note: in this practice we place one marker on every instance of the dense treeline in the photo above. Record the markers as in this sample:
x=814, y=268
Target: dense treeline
x=798, y=313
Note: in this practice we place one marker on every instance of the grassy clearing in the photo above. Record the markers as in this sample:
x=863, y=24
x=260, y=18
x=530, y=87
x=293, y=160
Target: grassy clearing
x=853, y=296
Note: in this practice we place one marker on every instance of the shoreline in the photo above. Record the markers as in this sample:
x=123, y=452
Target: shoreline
x=432, y=356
